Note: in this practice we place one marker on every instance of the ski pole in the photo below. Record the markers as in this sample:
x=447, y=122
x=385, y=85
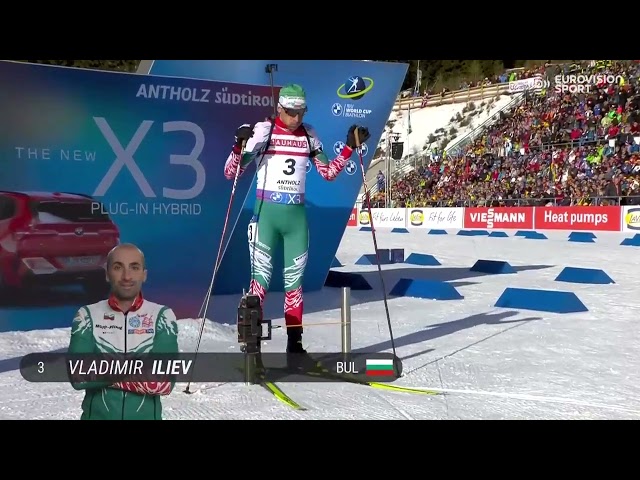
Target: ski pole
x=205, y=306
x=375, y=246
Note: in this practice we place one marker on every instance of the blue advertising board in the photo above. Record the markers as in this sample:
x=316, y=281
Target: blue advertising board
x=340, y=93
x=144, y=153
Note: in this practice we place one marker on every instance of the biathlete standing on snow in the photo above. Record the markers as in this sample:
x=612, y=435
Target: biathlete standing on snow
x=282, y=148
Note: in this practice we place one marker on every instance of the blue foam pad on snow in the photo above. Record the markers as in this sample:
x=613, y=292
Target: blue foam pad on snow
x=399, y=230
x=499, y=234
x=584, y=237
x=631, y=242
x=435, y=231
x=534, y=236
x=584, y=275
x=422, y=259
x=367, y=259
x=427, y=289
x=540, y=300
x=582, y=234
x=354, y=281
x=370, y=258
x=493, y=267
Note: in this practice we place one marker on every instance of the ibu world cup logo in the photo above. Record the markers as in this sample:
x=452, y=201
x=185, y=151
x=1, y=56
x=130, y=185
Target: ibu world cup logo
x=355, y=87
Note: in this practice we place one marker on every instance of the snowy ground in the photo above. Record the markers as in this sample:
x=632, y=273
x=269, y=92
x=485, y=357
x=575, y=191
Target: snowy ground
x=492, y=363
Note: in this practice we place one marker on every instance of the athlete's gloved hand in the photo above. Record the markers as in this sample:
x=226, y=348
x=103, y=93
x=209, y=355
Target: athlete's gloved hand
x=363, y=135
x=243, y=133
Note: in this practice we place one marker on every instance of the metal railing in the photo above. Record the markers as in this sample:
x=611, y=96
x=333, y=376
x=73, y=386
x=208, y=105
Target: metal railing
x=571, y=144
x=463, y=95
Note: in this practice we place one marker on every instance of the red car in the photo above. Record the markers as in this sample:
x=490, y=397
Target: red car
x=54, y=239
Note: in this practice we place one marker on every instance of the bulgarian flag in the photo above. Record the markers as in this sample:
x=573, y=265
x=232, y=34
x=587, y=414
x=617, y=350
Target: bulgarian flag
x=379, y=367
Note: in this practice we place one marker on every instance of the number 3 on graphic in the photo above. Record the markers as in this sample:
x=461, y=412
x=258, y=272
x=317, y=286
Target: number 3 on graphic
x=252, y=231
x=291, y=166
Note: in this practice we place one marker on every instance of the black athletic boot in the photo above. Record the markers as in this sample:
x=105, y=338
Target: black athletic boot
x=294, y=340
x=297, y=357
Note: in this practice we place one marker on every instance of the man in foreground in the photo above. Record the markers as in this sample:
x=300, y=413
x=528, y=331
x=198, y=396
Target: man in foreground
x=124, y=323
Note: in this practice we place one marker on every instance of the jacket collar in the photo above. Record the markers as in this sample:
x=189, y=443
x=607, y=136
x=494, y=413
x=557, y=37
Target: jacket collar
x=137, y=303
x=280, y=123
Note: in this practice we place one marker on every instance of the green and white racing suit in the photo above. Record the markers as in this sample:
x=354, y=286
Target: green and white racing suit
x=283, y=159
x=103, y=328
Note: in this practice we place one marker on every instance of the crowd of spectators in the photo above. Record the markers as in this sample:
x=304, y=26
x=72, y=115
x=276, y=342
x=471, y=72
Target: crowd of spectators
x=554, y=149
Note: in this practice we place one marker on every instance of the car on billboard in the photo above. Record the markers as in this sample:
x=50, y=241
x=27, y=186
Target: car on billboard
x=54, y=239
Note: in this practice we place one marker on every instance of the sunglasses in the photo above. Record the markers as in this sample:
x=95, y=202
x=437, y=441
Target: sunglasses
x=294, y=112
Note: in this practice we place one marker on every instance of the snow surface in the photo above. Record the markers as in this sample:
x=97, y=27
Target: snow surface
x=492, y=363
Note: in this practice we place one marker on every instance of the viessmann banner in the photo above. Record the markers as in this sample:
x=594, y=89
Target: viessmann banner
x=92, y=158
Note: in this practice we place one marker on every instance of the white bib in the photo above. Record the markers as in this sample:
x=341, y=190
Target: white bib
x=284, y=167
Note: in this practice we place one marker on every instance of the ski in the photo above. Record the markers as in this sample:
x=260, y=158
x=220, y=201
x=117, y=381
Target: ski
x=277, y=392
x=324, y=373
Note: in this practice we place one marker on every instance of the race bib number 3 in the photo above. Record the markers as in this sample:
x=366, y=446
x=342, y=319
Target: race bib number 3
x=252, y=231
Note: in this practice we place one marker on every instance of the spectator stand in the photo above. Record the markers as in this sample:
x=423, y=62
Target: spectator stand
x=396, y=169
x=552, y=149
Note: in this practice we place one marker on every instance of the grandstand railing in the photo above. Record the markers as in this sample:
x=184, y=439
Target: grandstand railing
x=464, y=95
x=580, y=142
x=571, y=144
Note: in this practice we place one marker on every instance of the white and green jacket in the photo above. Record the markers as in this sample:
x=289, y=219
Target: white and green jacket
x=103, y=328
